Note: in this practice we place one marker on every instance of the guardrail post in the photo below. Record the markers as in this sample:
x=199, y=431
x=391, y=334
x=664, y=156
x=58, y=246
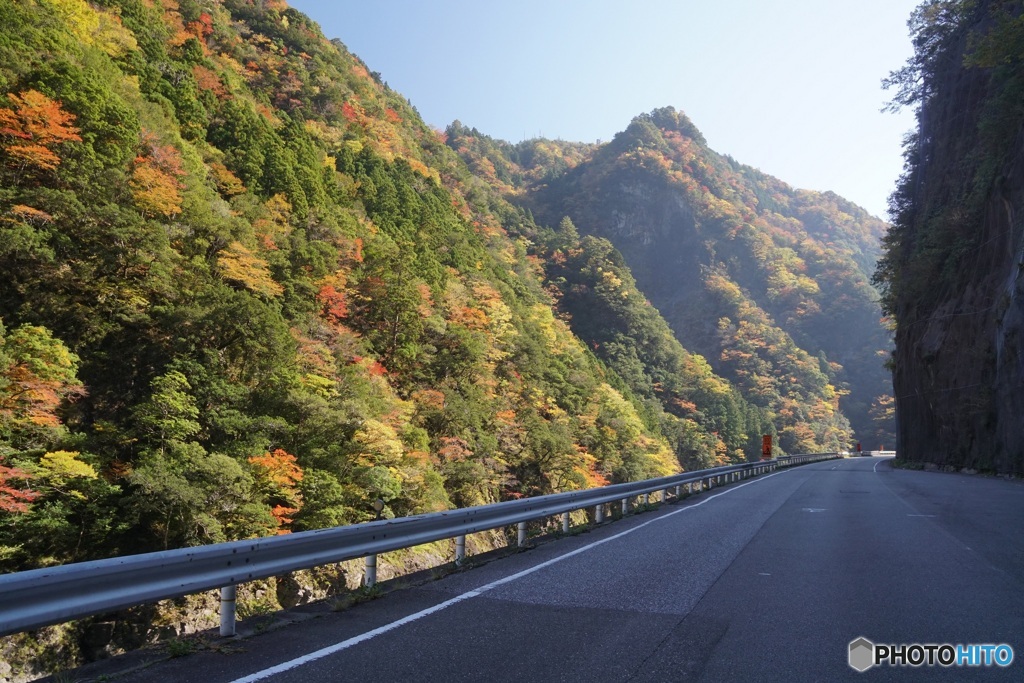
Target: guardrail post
x=565, y=522
x=370, y=574
x=227, y=610
x=598, y=514
x=679, y=491
x=664, y=495
x=625, y=506
x=522, y=534
x=460, y=549
x=647, y=500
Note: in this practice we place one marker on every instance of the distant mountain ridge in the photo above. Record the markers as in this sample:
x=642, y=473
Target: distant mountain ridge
x=763, y=280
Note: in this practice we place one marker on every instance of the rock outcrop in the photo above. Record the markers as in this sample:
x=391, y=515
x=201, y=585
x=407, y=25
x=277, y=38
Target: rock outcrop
x=955, y=255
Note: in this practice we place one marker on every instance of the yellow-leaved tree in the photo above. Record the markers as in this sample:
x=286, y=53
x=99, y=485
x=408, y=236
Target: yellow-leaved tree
x=156, y=178
x=240, y=265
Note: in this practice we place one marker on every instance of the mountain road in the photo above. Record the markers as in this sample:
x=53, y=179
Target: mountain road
x=768, y=579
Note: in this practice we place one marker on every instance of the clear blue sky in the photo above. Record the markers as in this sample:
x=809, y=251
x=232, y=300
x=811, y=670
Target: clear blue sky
x=792, y=87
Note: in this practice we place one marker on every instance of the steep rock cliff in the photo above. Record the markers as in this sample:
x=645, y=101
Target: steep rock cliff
x=955, y=255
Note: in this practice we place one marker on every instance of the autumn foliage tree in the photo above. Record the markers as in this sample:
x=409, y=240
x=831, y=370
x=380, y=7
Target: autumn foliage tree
x=37, y=372
x=279, y=474
x=14, y=499
x=33, y=128
x=240, y=265
x=156, y=180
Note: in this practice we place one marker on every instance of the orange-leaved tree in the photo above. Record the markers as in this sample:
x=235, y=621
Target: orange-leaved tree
x=37, y=372
x=278, y=474
x=32, y=129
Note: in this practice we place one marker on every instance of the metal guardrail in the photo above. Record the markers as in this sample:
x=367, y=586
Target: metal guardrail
x=54, y=595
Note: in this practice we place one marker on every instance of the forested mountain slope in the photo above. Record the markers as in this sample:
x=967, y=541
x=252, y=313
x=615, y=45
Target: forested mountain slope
x=955, y=253
x=243, y=293
x=247, y=291
x=769, y=283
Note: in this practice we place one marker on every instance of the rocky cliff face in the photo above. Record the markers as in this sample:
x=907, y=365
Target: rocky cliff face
x=955, y=255
x=959, y=376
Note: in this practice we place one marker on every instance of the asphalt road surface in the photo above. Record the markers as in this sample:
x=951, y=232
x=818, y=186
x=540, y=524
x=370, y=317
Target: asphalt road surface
x=765, y=580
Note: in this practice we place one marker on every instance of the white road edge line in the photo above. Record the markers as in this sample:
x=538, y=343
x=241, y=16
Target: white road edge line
x=355, y=640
